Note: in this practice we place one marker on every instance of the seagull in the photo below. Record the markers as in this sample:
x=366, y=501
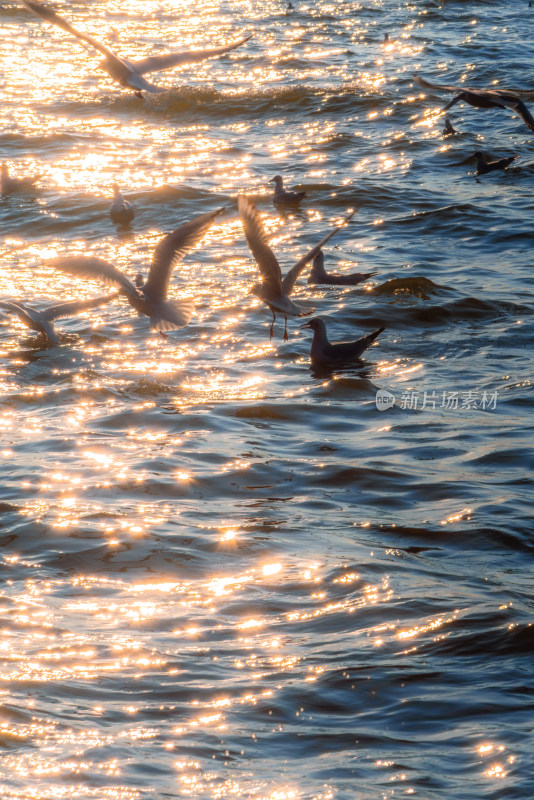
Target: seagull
x=283, y=198
x=41, y=321
x=319, y=275
x=129, y=74
x=273, y=289
x=324, y=353
x=449, y=130
x=149, y=297
x=10, y=185
x=121, y=211
x=483, y=98
x=484, y=164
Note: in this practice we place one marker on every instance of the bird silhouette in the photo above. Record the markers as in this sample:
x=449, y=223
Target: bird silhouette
x=485, y=164
x=325, y=353
x=483, y=98
x=41, y=321
x=281, y=196
x=274, y=290
x=149, y=297
x=121, y=211
x=449, y=129
x=129, y=74
x=318, y=275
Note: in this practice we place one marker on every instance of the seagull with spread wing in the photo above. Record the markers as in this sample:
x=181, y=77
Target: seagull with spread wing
x=149, y=297
x=482, y=98
x=274, y=290
x=41, y=321
x=129, y=74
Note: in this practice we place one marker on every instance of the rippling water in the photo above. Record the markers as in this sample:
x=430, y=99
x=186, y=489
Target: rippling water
x=223, y=574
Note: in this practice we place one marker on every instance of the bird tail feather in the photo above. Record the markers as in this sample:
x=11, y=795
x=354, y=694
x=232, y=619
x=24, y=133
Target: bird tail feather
x=171, y=315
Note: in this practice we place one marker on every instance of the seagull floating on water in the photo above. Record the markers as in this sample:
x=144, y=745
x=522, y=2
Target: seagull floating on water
x=129, y=74
x=325, y=353
x=121, y=211
x=484, y=164
x=273, y=289
x=10, y=185
x=281, y=196
x=319, y=275
x=483, y=98
x=41, y=321
x=449, y=130
x=149, y=297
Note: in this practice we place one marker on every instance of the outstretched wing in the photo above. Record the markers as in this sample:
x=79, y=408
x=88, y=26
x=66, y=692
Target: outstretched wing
x=171, y=249
x=291, y=277
x=95, y=268
x=439, y=86
x=11, y=308
x=48, y=14
x=157, y=63
x=516, y=104
x=257, y=241
x=74, y=307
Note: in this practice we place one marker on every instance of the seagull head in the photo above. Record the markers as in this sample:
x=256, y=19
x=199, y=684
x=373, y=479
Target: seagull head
x=278, y=180
x=139, y=280
x=116, y=190
x=315, y=323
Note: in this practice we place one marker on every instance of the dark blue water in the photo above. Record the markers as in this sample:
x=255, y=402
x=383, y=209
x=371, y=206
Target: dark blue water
x=225, y=574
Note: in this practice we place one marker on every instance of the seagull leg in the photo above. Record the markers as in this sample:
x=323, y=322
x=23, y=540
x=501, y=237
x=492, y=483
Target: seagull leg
x=271, y=332
x=138, y=93
x=286, y=337
x=164, y=335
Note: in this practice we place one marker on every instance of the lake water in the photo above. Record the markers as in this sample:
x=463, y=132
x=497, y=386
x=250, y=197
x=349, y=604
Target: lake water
x=225, y=575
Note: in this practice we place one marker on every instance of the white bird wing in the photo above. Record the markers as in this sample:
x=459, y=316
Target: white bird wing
x=48, y=14
x=259, y=247
x=96, y=268
x=12, y=308
x=157, y=63
x=24, y=313
x=73, y=307
x=291, y=278
x=171, y=249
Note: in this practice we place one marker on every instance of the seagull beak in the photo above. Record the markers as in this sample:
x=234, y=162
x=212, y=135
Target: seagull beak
x=306, y=325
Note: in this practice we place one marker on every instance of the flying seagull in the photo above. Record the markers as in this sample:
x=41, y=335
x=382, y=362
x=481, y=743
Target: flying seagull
x=485, y=165
x=129, y=74
x=121, y=211
x=318, y=274
x=324, y=353
x=483, y=98
x=149, y=297
x=273, y=289
x=41, y=321
x=282, y=197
